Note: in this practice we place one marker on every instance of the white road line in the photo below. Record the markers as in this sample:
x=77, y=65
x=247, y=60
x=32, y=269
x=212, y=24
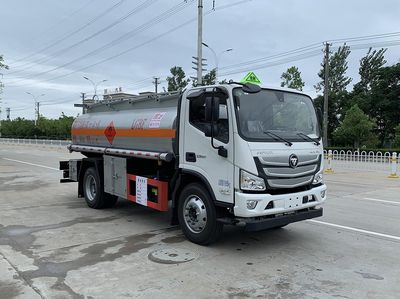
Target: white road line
x=381, y=200
x=32, y=164
x=356, y=230
x=345, y=183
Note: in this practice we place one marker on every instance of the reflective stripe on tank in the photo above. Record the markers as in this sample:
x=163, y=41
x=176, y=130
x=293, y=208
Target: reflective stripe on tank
x=158, y=133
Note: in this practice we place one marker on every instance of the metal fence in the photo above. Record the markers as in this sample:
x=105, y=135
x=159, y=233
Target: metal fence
x=39, y=142
x=362, y=161
x=334, y=159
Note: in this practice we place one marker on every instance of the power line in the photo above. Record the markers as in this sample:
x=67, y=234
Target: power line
x=133, y=48
x=56, y=25
x=303, y=53
x=299, y=50
x=60, y=40
x=279, y=55
x=365, y=37
x=374, y=45
x=274, y=63
x=56, y=54
x=300, y=56
x=167, y=14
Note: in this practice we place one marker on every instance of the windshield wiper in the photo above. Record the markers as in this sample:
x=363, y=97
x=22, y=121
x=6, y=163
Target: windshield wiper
x=277, y=137
x=306, y=137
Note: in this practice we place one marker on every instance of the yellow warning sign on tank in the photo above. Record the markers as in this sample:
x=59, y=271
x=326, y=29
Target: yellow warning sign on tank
x=251, y=78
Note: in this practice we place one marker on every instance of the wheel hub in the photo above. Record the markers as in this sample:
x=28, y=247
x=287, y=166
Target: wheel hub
x=90, y=187
x=195, y=214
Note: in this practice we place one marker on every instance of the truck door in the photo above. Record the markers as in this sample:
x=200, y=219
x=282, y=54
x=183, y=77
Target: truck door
x=198, y=155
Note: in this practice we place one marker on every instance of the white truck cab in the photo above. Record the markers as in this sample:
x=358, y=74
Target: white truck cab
x=234, y=154
x=273, y=156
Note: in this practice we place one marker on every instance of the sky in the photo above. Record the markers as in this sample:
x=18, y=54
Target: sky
x=51, y=45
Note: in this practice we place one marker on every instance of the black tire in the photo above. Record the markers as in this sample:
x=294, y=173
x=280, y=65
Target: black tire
x=198, y=199
x=93, y=191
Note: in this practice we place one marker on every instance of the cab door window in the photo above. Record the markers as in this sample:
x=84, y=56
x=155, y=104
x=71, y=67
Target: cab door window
x=197, y=117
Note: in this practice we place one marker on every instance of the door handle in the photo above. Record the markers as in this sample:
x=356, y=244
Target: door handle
x=190, y=157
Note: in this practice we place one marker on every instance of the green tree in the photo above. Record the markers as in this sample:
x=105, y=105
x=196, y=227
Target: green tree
x=210, y=78
x=292, y=79
x=338, y=82
x=338, y=65
x=19, y=128
x=63, y=126
x=355, y=129
x=47, y=128
x=396, y=141
x=383, y=103
x=370, y=64
x=177, y=80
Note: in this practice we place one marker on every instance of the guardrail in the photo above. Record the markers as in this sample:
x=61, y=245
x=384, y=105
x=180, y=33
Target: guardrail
x=40, y=142
x=362, y=160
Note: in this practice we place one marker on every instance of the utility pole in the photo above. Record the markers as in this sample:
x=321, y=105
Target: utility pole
x=326, y=93
x=156, y=82
x=35, y=108
x=37, y=104
x=8, y=110
x=83, y=102
x=200, y=43
x=37, y=112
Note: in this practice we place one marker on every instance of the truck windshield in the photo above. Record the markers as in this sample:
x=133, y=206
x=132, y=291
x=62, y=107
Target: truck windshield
x=287, y=114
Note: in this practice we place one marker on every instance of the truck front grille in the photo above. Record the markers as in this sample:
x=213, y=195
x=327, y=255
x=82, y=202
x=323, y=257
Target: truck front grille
x=279, y=174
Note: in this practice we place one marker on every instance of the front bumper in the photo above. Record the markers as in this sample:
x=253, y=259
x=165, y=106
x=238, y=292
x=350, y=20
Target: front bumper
x=266, y=223
x=282, y=203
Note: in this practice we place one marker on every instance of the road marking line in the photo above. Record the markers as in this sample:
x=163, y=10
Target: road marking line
x=32, y=164
x=345, y=183
x=381, y=200
x=356, y=230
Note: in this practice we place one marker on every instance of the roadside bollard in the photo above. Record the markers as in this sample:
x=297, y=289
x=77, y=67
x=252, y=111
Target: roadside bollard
x=393, y=163
x=329, y=169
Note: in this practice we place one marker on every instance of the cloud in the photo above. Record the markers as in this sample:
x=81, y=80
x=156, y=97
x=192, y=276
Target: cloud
x=254, y=29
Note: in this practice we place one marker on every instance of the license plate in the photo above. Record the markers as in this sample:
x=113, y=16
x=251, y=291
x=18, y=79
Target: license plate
x=293, y=202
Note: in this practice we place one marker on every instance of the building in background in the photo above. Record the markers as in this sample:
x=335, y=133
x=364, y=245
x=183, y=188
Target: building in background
x=116, y=94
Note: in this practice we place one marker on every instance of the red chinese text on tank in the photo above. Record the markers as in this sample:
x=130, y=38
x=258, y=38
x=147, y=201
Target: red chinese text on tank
x=110, y=132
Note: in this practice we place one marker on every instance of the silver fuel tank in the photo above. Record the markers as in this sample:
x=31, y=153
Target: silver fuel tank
x=139, y=123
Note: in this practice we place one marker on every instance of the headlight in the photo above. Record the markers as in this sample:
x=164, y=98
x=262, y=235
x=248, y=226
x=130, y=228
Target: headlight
x=318, y=178
x=251, y=182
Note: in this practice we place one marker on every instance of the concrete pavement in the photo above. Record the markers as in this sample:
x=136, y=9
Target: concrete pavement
x=53, y=246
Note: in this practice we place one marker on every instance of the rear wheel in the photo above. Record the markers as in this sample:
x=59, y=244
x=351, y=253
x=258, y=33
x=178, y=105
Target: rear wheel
x=198, y=216
x=93, y=191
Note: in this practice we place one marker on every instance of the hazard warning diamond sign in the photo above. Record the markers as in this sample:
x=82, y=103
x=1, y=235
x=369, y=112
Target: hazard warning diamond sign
x=110, y=132
x=251, y=78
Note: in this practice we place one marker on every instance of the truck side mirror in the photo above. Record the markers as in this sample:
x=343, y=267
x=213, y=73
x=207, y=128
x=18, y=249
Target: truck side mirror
x=209, y=127
x=212, y=109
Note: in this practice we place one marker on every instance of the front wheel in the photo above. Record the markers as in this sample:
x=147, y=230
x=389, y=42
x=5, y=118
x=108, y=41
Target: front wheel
x=198, y=216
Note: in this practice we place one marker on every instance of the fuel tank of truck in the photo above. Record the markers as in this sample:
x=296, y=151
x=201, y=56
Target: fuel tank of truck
x=139, y=123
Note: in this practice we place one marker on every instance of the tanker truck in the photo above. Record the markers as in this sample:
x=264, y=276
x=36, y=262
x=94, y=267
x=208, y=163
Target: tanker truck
x=229, y=154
